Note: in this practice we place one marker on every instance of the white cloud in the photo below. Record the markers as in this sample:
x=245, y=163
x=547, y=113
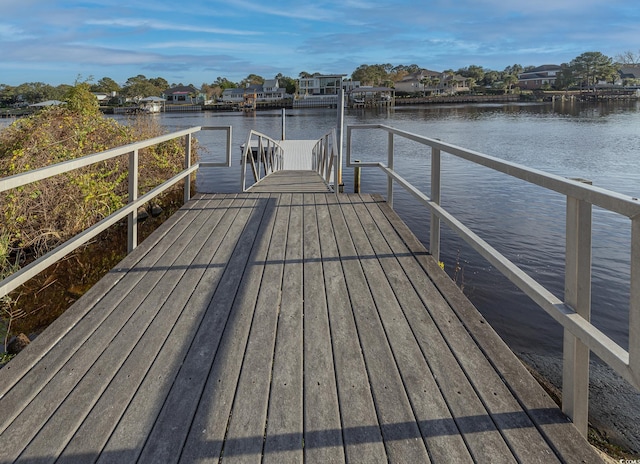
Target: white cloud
x=166, y=26
x=11, y=33
x=205, y=45
x=298, y=11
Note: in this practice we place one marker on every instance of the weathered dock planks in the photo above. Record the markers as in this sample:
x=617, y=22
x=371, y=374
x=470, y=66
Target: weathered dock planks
x=278, y=327
x=295, y=181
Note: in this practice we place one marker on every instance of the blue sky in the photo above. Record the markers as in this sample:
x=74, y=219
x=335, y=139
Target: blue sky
x=196, y=41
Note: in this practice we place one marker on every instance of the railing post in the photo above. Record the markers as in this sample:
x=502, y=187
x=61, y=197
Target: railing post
x=325, y=158
x=338, y=180
x=283, y=125
x=260, y=157
x=390, y=166
x=243, y=172
x=434, y=235
x=356, y=176
x=187, y=165
x=132, y=220
x=577, y=294
x=634, y=305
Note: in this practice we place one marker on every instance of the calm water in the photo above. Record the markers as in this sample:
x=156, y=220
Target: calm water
x=526, y=223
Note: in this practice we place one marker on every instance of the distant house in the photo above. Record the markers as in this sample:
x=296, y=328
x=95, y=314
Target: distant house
x=103, y=97
x=432, y=83
x=321, y=90
x=629, y=74
x=234, y=95
x=270, y=91
x=182, y=95
x=327, y=84
x=350, y=85
x=539, y=77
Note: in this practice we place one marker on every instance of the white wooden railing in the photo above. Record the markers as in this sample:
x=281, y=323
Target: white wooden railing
x=265, y=156
x=130, y=210
x=325, y=155
x=580, y=336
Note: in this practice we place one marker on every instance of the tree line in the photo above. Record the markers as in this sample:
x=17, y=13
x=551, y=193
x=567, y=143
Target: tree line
x=585, y=70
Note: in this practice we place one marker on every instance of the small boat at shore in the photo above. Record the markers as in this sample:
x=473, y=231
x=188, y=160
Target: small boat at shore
x=151, y=105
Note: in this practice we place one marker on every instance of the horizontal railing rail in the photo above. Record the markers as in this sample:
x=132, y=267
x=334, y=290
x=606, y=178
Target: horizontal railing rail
x=573, y=313
x=130, y=210
x=264, y=154
x=325, y=155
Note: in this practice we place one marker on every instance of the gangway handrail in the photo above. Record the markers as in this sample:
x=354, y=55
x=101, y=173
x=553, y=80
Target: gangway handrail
x=325, y=155
x=580, y=336
x=130, y=210
x=269, y=157
x=266, y=156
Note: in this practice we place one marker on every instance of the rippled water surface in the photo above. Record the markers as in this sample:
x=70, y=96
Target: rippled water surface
x=526, y=223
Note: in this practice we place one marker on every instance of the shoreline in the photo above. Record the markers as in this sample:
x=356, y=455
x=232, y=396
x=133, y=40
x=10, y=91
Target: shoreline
x=613, y=421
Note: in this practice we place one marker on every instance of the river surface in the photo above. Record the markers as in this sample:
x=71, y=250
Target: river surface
x=599, y=142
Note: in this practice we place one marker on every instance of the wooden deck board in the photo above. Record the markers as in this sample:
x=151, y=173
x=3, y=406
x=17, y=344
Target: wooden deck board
x=284, y=435
x=291, y=182
x=561, y=436
x=140, y=369
x=278, y=327
x=504, y=410
x=366, y=283
x=122, y=318
x=360, y=428
x=132, y=345
x=208, y=430
x=172, y=424
x=437, y=426
x=322, y=428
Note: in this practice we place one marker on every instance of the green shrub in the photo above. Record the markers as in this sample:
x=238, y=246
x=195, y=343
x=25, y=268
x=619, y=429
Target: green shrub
x=40, y=216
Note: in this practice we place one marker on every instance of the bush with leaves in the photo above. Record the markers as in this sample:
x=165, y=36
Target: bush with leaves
x=41, y=215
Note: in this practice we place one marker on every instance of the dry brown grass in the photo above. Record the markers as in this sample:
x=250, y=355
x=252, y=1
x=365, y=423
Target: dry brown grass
x=38, y=217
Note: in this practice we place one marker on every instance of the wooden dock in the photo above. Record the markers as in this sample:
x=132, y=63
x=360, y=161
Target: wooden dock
x=278, y=327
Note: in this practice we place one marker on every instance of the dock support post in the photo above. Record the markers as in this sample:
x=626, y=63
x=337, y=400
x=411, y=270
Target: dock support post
x=577, y=294
x=356, y=177
x=434, y=236
x=187, y=165
x=338, y=179
x=283, y=125
x=390, y=166
x=634, y=305
x=132, y=220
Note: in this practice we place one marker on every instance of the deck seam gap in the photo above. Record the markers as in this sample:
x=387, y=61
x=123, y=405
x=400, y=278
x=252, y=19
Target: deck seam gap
x=433, y=322
x=160, y=409
x=341, y=215
x=275, y=341
x=257, y=197
x=331, y=328
x=206, y=204
x=43, y=354
x=456, y=356
x=402, y=311
x=119, y=363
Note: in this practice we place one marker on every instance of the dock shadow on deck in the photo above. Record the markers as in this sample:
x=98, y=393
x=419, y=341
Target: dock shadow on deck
x=295, y=327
